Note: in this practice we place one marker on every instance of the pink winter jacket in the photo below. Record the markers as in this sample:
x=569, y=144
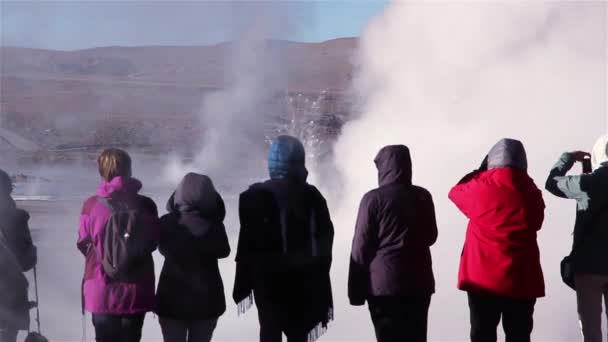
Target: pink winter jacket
x=100, y=294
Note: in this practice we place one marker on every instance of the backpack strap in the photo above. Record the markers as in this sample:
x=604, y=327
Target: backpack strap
x=104, y=201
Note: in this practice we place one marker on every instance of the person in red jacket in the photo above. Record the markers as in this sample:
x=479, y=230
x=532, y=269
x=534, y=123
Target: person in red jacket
x=500, y=263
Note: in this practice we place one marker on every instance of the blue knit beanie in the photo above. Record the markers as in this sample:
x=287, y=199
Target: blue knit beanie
x=287, y=159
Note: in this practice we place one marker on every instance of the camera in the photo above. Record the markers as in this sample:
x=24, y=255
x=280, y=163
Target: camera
x=587, y=165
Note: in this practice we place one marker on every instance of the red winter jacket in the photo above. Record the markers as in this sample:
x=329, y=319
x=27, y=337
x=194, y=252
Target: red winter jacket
x=500, y=254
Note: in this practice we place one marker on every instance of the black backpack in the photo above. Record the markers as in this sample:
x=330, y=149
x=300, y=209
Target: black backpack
x=127, y=243
x=300, y=231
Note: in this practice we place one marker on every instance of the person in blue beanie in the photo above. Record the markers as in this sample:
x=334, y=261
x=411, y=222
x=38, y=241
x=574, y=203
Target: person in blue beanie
x=284, y=250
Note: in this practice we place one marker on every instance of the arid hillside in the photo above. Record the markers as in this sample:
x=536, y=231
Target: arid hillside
x=146, y=97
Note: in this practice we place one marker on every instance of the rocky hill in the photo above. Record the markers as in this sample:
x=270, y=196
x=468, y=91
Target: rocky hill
x=148, y=97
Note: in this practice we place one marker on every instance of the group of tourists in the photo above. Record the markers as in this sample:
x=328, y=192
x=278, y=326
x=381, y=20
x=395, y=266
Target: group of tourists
x=284, y=250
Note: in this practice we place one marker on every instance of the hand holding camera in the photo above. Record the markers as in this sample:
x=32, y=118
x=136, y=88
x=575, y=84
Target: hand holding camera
x=585, y=159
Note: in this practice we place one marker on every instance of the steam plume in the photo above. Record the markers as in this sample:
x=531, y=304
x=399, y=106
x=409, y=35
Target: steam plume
x=450, y=79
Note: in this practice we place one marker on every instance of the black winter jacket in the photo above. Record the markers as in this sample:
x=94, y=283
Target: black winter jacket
x=14, y=307
x=284, y=254
x=193, y=238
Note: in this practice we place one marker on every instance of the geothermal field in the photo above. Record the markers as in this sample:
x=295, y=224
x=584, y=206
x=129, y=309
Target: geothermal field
x=446, y=79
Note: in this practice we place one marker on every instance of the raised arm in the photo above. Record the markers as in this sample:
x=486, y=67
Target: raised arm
x=566, y=186
x=464, y=194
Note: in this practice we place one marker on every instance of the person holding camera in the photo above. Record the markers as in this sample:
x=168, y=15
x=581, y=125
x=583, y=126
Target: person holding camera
x=500, y=264
x=589, y=255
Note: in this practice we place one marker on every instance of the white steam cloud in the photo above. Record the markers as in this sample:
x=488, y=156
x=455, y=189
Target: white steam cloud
x=233, y=119
x=449, y=80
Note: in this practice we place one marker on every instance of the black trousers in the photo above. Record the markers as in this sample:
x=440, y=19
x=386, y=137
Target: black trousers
x=486, y=312
x=118, y=328
x=270, y=328
x=187, y=331
x=400, y=319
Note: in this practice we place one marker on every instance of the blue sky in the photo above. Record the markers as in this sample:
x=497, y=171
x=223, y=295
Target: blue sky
x=70, y=25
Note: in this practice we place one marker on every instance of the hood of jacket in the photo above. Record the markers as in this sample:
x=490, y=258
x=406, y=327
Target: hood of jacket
x=508, y=153
x=119, y=185
x=599, y=154
x=287, y=159
x=394, y=165
x=197, y=203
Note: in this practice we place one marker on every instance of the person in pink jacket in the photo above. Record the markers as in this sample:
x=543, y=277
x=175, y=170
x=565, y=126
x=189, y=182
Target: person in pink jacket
x=118, y=307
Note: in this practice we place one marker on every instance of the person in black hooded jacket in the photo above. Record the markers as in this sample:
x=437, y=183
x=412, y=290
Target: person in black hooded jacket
x=17, y=255
x=190, y=295
x=284, y=250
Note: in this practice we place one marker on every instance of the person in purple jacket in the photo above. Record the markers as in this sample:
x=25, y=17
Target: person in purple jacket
x=118, y=307
x=391, y=264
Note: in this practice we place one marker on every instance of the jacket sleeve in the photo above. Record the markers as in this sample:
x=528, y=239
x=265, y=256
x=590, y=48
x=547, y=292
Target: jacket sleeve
x=26, y=252
x=326, y=233
x=538, y=215
x=153, y=222
x=165, y=243
x=216, y=244
x=243, y=283
x=428, y=220
x=85, y=241
x=172, y=245
x=464, y=194
x=364, y=247
x=574, y=187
